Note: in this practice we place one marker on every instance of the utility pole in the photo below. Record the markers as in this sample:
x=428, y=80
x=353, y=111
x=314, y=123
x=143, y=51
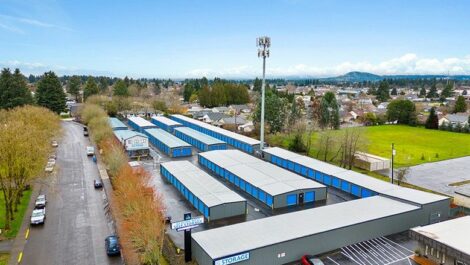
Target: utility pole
x=263, y=44
x=394, y=152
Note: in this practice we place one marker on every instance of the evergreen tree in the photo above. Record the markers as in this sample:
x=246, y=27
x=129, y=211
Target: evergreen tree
x=90, y=88
x=50, y=94
x=403, y=111
x=188, y=91
x=433, y=121
x=73, y=86
x=276, y=111
x=394, y=91
x=13, y=89
x=103, y=84
x=31, y=79
x=422, y=92
x=120, y=89
x=447, y=91
x=432, y=93
x=329, y=111
x=460, y=105
x=464, y=93
x=257, y=84
x=383, y=92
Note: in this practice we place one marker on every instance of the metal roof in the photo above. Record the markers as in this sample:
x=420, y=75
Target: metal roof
x=227, y=133
x=167, y=138
x=210, y=191
x=166, y=121
x=453, y=233
x=126, y=134
x=141, y=122
x=272, y=230
x=202, y=137
x=268, y=177
x=359, y=179
x=116, y=123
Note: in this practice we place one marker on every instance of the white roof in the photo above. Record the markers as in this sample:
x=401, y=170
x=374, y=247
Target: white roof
x=202, y=137
x=166, y=121
x=210, y=191
x=227, y=133
x=268, y=177
x=141, y=122
x=412, y=195
x=167, y=138
x=453, y=233
x=272, y=230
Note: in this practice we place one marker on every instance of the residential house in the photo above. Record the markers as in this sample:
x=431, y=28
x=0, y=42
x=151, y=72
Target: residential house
x=212, y=117
x=247, y=127
x=240, y=108
x=455, y=119
x=232, y=121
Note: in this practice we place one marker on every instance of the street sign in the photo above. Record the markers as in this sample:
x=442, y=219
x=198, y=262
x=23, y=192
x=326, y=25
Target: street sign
x=187, y=224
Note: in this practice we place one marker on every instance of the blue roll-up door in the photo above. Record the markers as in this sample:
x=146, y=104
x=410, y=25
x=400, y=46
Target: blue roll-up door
x=309, y=196
x=237, y=181
x=366, y=193
x=355, y=190
x=291, y=199
x=297, y=168
x=345, y=186
x=336, y=183
x=262, y=196
x=303, y=170
x=254, y=192
x=206, y=212
x=311, y=173
x=248, y=188
x=290, y=165
x=269, y=200
x=327, y=180
x=242, y=184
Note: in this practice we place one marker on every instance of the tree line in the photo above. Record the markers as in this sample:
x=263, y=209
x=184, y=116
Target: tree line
x=215, y=93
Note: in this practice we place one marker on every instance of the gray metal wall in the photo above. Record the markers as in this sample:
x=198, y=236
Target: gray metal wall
x=227, y=210
x=321, y=243
x=280, y=201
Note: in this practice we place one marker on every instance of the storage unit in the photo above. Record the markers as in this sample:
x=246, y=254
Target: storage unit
x=165, y=123
x=136, y=144
x=199, y=140
x=210, y=197
x=140, y=124
x=238, y=141
x=370, y=162
x=284, y=238
x=116, y=124
x=168, y=143
x=271, y=185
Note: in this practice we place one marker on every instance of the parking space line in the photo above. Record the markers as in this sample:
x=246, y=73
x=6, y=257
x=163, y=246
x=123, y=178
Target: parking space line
x=353, y=253
x=332, y=260
x=407, y=258
x=374, y=253
x=391, y=246
x=380, y=250
x=386, y=248
x=351, y=258
x=367, y=258
x=409, y=250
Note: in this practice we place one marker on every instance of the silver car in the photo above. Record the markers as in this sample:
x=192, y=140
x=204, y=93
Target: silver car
x=40, y=201
x=38, y=216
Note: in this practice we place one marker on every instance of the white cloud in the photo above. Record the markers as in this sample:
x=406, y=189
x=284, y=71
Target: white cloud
x=407, y=64
x=37, y=68
x=28, y=21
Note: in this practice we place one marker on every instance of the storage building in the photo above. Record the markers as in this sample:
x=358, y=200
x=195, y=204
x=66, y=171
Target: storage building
x=140, y=124
x=238, y=141
x=199, y=140
x=370, y=162
x=210, y=197
x=136, y=144
x=168, y=143
x=273, y=186
x=116, y=124
x=165, y=123
x=285, y=238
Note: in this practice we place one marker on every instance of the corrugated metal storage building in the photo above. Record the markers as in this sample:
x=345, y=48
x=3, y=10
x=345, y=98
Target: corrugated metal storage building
x=200, y=140
x=168, y=143
x=165, y=123
x=140, y=124
x=236, y=140
x=116, y=124
x=269, y=184
x=210, y=197
x=136, y=144
x=285, y=238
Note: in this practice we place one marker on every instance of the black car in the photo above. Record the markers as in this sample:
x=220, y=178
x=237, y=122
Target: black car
x=112, y=246
x=98, y=184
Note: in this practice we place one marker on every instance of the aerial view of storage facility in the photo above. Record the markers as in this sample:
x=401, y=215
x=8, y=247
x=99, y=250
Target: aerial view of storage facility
x=168, y=143
x=165, y=123
x=284, y=238
x=116, y=124
x=140, y=124
x=136, y=144
x=238, y=141
x=210, y=197
x=199, y=140
x=273, y=186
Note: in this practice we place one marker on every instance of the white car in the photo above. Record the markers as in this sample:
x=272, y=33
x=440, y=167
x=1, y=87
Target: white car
x=49, y=167
x=90, y=150
x=54, y=143
x=38, y=216
x=51, y=161
x=40, y=202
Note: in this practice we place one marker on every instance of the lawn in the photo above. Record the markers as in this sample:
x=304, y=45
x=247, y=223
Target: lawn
x=414, y=145
x=4, y=258
x=16, y=223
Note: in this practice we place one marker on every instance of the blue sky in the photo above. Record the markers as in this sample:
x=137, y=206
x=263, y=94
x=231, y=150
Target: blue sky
x=181, y=39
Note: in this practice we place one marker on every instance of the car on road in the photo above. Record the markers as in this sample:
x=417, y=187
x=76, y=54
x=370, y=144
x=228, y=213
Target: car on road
x=49, y=167
x=40, y=201
x=85, y=131
x=54, y=143
x=112, y=246
x=310, y=260
x=98, y=184
x=90, y=150
x=38, y=216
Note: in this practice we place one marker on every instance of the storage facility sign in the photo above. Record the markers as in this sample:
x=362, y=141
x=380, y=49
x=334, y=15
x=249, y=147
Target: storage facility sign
x=187, y=224
x=233, y=259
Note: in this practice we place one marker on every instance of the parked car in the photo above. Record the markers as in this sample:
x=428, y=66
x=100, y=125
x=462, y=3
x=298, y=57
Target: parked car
x=54, y=143
x=310, y=260
x=49, y=167
x=90, y=150
x=98, y=184
x=38, y=216
x=85, y=131
x=111, y=245
x=51, y=161
x=40, y=201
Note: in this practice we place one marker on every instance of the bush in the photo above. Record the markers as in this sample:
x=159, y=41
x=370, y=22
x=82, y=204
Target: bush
x=113, y=156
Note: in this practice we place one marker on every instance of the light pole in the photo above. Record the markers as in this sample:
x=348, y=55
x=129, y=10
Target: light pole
x=394, y=152
x=263, y=44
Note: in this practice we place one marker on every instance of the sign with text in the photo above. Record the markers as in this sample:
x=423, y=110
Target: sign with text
x=233, y=259
x=187, y=224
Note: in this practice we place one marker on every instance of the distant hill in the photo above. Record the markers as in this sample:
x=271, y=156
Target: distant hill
x=363, y=76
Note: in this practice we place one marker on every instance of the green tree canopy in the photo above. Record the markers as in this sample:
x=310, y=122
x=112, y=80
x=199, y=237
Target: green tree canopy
x=432, y=93
x=275, y=112
x=383, y=92
x=120, y=89
x=73, y=86
x=403, y=111
x=103, y=84
x=422, y=92
x=13, y=89
x=432, y=121
x=91, y=88
x=329, y=111
x=50, y=94
x=460, y=105
x=447, y=91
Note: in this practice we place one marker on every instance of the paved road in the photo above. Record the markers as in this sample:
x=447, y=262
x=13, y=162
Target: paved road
x=76, y=222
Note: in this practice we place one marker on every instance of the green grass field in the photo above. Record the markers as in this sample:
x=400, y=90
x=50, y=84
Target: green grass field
x=16, y=224
x=414, y=145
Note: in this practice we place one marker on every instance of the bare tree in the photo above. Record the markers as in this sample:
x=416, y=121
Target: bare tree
x=352, y=140
x=401, y=174
x=326, y=144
